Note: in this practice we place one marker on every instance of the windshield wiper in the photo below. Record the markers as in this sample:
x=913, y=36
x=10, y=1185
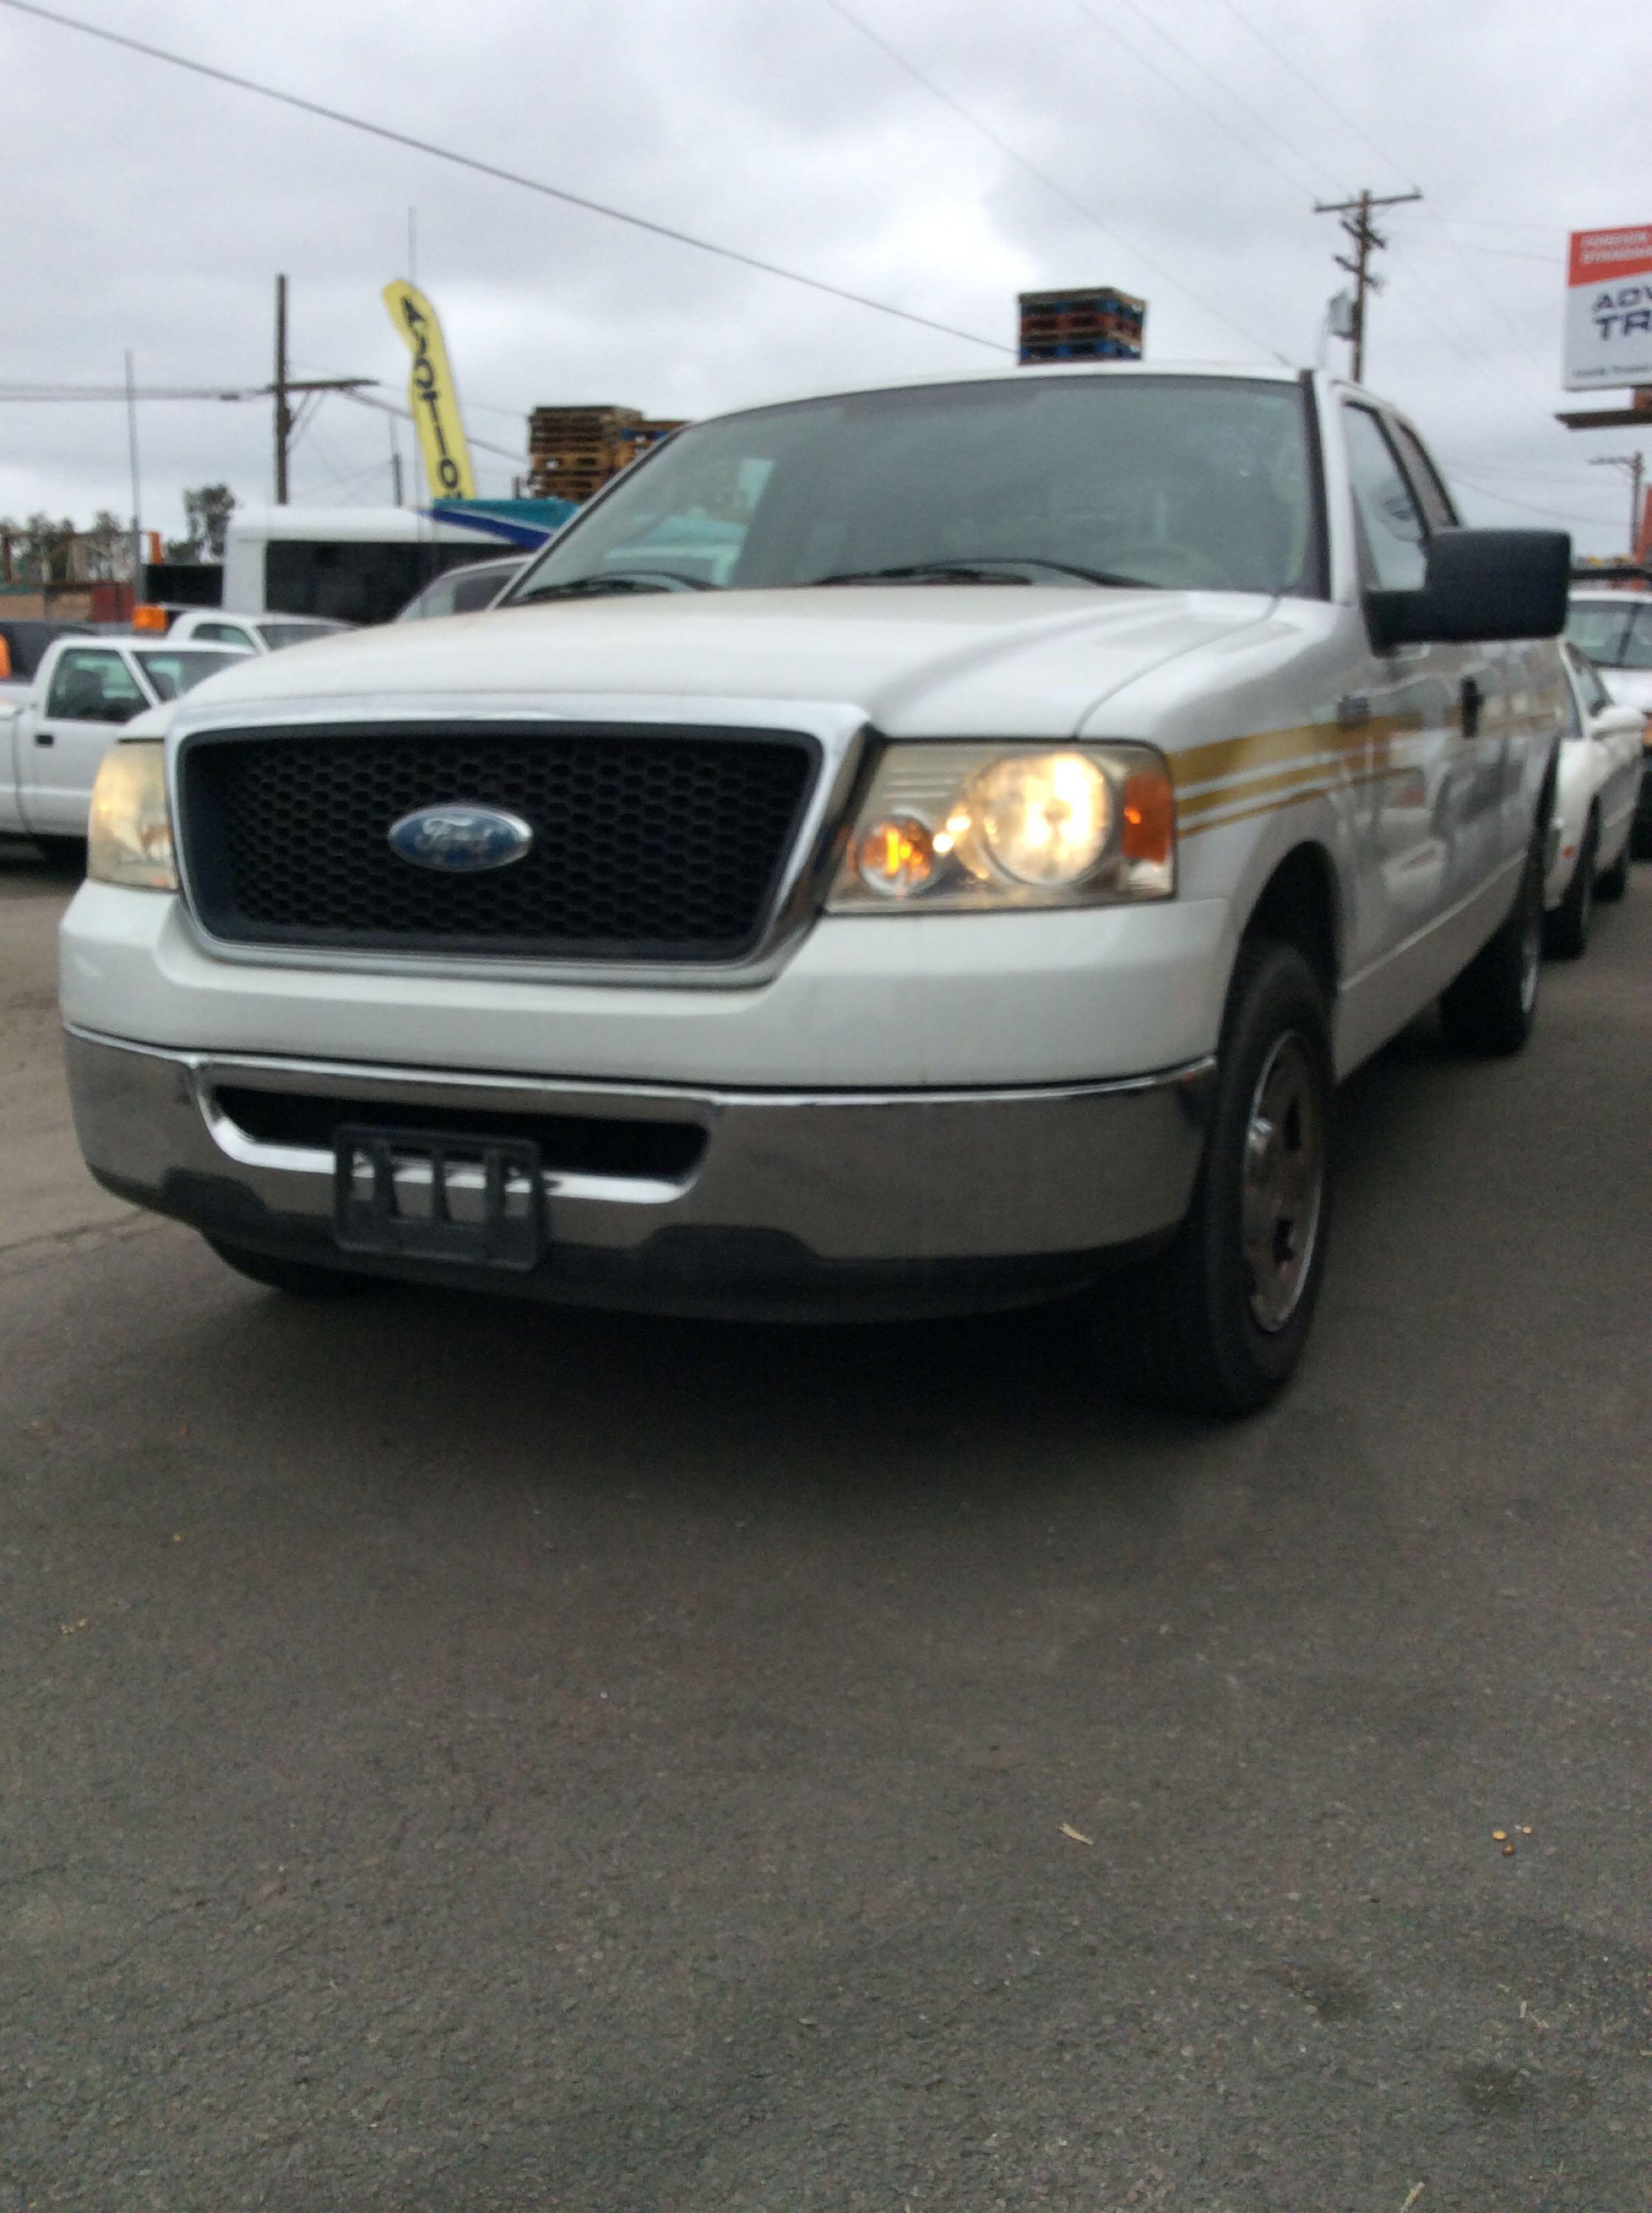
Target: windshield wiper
x=981, y=569
x=917, y=572
x=625, y=580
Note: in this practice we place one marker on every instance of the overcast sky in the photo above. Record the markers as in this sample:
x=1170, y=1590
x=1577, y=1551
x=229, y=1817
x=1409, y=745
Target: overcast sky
x=147, y=210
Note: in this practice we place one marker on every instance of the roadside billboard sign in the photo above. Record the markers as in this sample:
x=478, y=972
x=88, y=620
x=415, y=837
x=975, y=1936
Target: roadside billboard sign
x=1609, y=310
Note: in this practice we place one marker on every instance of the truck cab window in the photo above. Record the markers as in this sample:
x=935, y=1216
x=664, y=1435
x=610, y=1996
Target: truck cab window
x=1426, y=480
x=89, y=686
x=1391, y=527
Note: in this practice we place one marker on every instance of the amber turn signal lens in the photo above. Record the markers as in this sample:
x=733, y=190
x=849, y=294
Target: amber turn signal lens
x=896, y=856
x=1148, y=817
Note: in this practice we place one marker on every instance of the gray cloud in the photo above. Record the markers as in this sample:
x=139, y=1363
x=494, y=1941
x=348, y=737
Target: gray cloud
x=149, y=210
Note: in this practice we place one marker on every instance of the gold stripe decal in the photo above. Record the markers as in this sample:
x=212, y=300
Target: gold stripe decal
x=1308, y=760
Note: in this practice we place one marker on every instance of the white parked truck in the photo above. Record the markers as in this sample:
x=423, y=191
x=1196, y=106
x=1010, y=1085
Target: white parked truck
x=83, y=693
x=966, y=890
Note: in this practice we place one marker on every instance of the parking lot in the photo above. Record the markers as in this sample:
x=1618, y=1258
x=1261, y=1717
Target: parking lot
x=466, y=1756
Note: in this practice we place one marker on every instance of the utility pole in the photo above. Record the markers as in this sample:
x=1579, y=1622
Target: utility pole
x=132, y=455
x=1356, y=222
x=1634, y=466
x=283, y=413
x=284, y=385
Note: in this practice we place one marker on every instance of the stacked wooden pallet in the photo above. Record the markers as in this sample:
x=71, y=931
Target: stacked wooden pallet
x=1094, y=324
x=574, y=451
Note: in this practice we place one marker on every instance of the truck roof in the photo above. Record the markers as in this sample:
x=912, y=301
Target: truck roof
x=1009, y=371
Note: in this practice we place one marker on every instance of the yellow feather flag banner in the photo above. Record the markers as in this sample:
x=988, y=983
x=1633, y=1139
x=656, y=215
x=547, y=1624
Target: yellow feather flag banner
x=431, y=395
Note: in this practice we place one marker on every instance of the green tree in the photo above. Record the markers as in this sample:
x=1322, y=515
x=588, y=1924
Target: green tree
x=40, y=554
x=207, y=510
x=109, y=548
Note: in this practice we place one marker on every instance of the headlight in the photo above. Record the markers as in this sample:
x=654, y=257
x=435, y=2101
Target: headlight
x=129, y=835
x=994, y=826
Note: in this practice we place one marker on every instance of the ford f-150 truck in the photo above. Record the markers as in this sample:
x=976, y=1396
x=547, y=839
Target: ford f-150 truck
x=901, y=850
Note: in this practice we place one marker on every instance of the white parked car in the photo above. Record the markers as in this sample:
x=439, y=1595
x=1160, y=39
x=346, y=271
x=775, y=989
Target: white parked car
x=1614, y=630
x=1596, y=787
x=250, y=633
x=973, y=896
x=84, y=692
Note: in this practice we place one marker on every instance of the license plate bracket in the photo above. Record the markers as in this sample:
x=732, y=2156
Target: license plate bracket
x=430, y=1195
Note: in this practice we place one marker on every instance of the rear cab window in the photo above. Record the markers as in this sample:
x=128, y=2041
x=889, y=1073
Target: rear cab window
x=92, y=684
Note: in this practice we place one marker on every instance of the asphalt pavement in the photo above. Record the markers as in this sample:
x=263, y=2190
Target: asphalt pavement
x=458, y=1756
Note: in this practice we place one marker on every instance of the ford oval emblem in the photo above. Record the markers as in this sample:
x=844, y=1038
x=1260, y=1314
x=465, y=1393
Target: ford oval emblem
x=461, y=840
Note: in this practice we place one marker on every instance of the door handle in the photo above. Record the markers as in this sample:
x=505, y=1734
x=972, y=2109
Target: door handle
x=1473, y=700
x=45, y=737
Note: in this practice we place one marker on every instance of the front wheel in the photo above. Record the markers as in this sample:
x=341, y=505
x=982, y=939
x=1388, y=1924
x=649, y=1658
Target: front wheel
x=1491, y=1007
x=1216, y=1323
x=1612, y=883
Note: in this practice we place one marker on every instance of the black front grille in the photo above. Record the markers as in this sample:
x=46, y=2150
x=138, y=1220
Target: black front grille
x=648, y=844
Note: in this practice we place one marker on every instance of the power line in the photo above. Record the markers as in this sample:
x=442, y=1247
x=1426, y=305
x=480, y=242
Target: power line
x=1283, y=59
x=985, y=130
x=1112, y=31
x=492, y=169
x=1513, y=253
x=1286, y=61
x=389, y=407
x=1554, y=514
x=1264, y=123
x=37, y=394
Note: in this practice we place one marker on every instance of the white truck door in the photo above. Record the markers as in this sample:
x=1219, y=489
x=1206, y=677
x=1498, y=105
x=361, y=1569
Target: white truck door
x=1421, y=774
x=83, y=697
x=13, y=721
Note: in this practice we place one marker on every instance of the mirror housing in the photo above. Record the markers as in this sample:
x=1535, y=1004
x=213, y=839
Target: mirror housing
x=1480, y=585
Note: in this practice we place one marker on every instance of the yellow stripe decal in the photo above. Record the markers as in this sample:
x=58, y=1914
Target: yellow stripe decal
x=1320, y=788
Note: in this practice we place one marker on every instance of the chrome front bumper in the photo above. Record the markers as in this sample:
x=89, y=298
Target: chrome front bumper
x=791, y=1204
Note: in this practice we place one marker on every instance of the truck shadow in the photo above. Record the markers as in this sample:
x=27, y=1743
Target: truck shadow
x=1002, y=1415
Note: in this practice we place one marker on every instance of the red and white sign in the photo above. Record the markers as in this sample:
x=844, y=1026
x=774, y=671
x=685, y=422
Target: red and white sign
x=1609, y=310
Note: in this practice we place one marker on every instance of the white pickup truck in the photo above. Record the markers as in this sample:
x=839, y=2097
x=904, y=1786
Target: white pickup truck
x=907, y=849
x=84, y=692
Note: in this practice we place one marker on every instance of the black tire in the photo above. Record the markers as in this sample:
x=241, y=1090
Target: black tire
x=1640, y=837
x=1612, y=883
x=1491, y=1007
x=67, y=853
x=1566, y=930
x=1200, y=1328
x=300, y=1279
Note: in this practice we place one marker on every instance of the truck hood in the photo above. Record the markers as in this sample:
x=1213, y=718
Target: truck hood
x=915, y=660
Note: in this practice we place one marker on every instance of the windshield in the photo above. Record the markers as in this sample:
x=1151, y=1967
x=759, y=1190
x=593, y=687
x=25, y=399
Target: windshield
x=278, y=635
x=172, y=674
x=1198, y=481
x=1613, y=636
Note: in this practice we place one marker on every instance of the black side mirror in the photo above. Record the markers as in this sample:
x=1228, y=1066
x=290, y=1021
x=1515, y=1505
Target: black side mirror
x=1478, y=585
